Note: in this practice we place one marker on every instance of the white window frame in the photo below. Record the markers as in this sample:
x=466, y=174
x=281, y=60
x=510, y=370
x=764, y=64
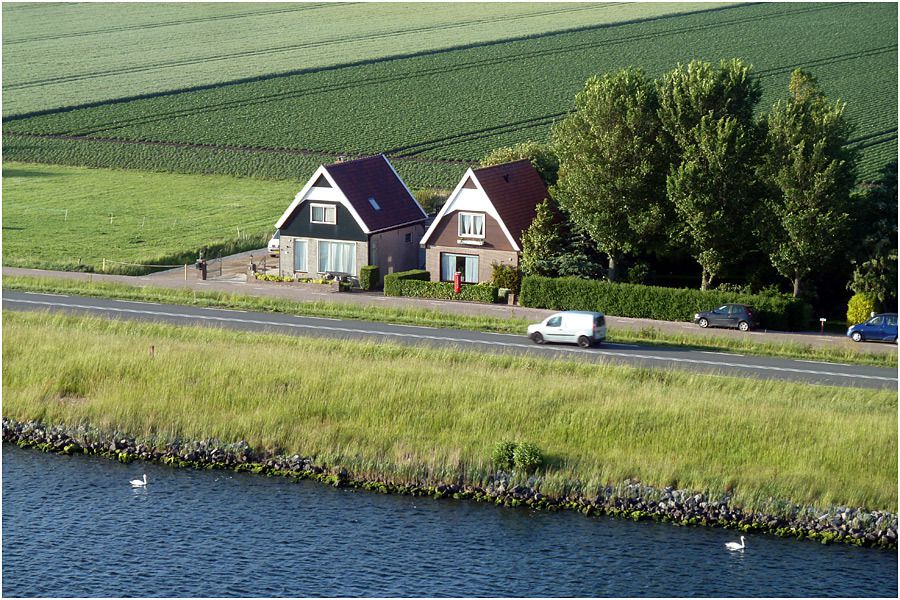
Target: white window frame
x=319, y=243
x=306, y=257
x=479, y=236
x=326, y=208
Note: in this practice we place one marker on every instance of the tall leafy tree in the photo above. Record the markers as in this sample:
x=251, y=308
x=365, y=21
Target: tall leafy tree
x=875, y=234
x=611, y=166
x=706, y=113
x=810, y=172
x=711, y=190
x=541, y=242
x=541, y=156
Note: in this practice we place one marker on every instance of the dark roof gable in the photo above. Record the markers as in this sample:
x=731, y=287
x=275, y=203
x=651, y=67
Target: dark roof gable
x=515, y=189
x=372, y=182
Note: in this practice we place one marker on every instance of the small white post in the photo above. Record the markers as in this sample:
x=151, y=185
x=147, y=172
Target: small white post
x=104, y=266
x=185, y=272
x=67, y=215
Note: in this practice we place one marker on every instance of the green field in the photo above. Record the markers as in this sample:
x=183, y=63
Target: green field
x=150, y=48
x=458, y=104
x=72, y=217
x=764, y=440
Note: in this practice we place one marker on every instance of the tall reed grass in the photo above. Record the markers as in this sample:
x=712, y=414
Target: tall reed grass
x=406, y=413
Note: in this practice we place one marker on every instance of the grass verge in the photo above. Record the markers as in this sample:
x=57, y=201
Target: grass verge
x=418, y=414
x=431, y=318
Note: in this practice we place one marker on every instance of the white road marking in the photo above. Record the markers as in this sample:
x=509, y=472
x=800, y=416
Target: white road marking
x=46, y=294
x=458, y=340
x=719, y=353
x=822, y=362
x=139, y=302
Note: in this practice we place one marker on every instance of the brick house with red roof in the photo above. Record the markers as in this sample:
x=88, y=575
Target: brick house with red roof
x=348, y=215
x=482, y=222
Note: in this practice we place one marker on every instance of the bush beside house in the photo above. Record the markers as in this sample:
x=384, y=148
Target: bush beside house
x=417, y=284
x=368, y=277
x=651, y=302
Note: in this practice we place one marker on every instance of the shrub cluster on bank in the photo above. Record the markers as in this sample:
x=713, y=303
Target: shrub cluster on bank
x=417, y=284
x=651, y=302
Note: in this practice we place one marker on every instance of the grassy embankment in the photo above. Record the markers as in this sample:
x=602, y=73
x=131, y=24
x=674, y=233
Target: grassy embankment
x=415, y=414
x=434, y=318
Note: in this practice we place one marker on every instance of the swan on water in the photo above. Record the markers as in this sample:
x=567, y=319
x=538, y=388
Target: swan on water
x=139, y=482
x=735, y=545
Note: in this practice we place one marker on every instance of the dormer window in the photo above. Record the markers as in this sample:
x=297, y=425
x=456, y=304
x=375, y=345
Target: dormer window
x=323, y=213
x=471, y=225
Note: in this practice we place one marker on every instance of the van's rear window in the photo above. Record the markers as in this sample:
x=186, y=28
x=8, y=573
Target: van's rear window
x=599, y=321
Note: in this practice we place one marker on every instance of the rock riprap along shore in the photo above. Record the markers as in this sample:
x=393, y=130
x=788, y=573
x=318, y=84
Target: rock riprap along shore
x=632, y=500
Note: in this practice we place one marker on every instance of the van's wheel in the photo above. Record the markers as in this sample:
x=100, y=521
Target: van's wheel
x=703, y=323
x=856, y=337
x=744, y=326
x=584, y=341
x=537, y=338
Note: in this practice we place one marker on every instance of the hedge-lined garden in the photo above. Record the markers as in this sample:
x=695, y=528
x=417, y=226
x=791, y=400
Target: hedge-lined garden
x=650, y=302
x=418, y=284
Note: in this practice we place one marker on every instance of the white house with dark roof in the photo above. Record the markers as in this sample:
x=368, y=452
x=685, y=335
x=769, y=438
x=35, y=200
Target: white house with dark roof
x=348, y=215
x=482, y=221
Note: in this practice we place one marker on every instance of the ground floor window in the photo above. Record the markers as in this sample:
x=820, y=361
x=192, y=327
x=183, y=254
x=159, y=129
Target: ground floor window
x=465, y=264
x=300, y=254
x=337, y=257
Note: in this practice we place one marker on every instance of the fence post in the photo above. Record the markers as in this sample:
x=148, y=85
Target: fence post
x=185, y=272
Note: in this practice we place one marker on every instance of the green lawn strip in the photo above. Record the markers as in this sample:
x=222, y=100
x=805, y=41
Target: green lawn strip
x=72, y=218
x=419, y=414
x=427, y=317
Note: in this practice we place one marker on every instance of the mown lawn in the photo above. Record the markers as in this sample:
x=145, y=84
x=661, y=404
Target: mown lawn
x=72, y=217
x=413, y=413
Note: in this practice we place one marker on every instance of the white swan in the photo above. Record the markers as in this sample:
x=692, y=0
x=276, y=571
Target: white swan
x=139, y=482
x=735, y=545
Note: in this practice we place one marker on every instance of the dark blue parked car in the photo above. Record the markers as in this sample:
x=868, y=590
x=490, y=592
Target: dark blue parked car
x=881, y=327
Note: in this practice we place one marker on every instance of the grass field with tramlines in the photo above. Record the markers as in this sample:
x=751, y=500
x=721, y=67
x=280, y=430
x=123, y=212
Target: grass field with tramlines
x=457, y=104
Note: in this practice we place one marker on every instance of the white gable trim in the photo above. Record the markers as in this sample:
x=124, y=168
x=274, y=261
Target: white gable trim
x=340, y=197
x=488, y=207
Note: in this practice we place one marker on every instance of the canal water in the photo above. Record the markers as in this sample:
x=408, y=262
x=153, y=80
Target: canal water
x=72, y=526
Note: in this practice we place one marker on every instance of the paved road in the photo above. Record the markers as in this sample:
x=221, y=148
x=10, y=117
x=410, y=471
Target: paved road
x=634, y=355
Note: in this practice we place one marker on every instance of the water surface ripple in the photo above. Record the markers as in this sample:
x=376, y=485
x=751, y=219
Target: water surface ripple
x=72, y=526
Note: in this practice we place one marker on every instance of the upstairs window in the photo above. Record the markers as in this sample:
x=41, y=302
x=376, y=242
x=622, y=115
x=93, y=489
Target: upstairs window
x=323, y=213
x=471, y=225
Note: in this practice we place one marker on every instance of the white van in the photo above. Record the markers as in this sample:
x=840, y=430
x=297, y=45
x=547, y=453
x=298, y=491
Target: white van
x=573, y=326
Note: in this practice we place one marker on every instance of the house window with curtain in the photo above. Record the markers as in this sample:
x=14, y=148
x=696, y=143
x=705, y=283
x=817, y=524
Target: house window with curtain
x=300, y=256
x=323, y=213
x=471, y=225
x=337, y=257
x=465, y=264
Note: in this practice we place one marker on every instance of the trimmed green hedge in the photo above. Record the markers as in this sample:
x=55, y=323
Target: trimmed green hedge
x=650, y=302
x=479, y=292
x=418, y=284
x=393, y=280
x=368, y=277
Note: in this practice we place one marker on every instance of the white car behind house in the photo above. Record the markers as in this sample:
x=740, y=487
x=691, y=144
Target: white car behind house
x=275, y=244
x=584, y=328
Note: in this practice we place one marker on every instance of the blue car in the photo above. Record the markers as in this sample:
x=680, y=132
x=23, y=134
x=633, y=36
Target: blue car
x=882, y=328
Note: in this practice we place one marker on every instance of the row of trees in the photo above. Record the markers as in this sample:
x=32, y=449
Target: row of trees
x=649, y=166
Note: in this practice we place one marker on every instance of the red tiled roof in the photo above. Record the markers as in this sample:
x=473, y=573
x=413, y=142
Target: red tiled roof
x=515, y=189
x=374, y=177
